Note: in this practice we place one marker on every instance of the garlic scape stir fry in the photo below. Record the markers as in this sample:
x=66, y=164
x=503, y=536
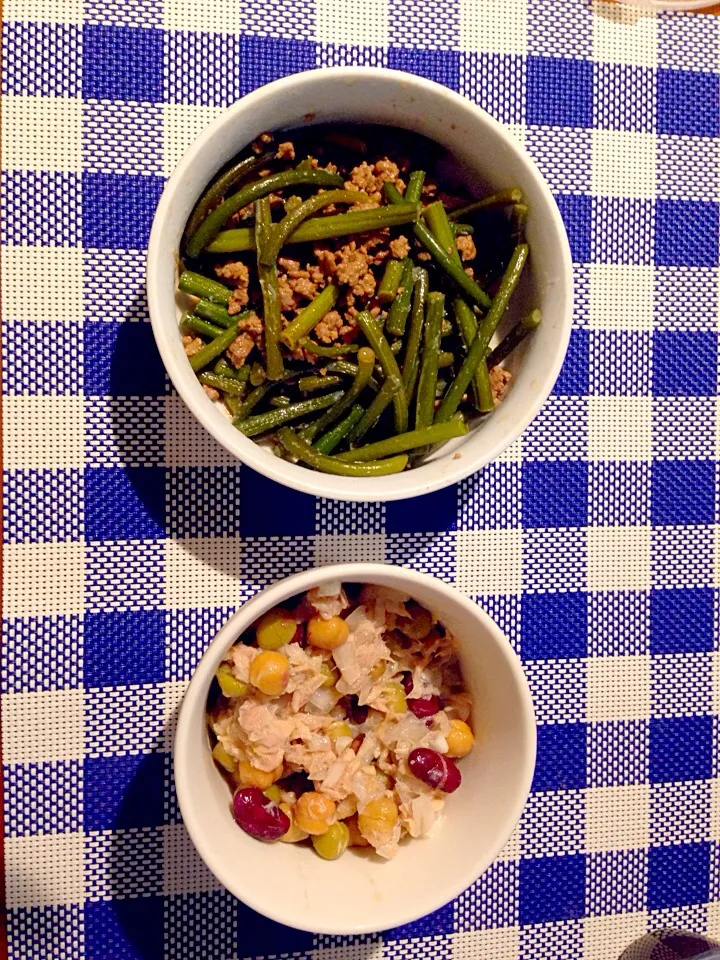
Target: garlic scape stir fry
x=344, y=294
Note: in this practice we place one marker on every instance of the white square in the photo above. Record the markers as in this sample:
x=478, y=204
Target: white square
x=43, y=11
x=618, y=688
x=42, y=283
x=47, y=579
x=187, y=442
x=713, y=919
x=511, y=850
x=493, y=26
x=623, y=164
x=42, y=433
x=621, y=36
x=618, y=558
x=489, y=562
x=352, y=24
x=183, y=870
x=44, y=726
x=500, y=943
x=182, y=124
x=618, y=818
x=225, y=16
x=44, y=870
x=203, y=572
x=619, y=428
x=608, y=936
x=42, y=133
x=349, y=548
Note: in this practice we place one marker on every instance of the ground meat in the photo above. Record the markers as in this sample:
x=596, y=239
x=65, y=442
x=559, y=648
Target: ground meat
x=287, y=295
x=240, y=349
x=304, y=287
x=211, y=392
x=298, y=282
x=192, y=345
x=238, y=274
x=470, y=272
x=315, y=164
x=260, y=144
x=466, y=247
x=369, y=178
x=352, y=267
x=286, y=151
x=400, y=247
x=252, y=325
x=423, y=255
x=499, y=380
x=329, y=327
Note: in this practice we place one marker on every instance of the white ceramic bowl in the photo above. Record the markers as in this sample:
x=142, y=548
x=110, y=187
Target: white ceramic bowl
x=356, y=894
x=489, y=157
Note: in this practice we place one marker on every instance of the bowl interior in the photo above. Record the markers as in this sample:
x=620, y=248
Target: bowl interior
x=361, y=893
x=489, y=159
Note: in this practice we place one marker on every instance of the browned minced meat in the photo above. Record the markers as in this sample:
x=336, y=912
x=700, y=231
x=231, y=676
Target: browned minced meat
x=285, y=151
x=466, y=247
x=211, y=392
x=238, y=274
x=352, y=266
x=499, y=380
x=330, y=327
x=369, y=178
x=192, y=345
x=399, y=247
x=260, y=144
x=240, y=349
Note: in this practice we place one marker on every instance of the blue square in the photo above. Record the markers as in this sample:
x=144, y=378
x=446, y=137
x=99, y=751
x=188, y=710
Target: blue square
x=561, y=757
x=686, y=233
x=687, y=103
x=683, y=491
x=432, y=925
x=552, y=888
x=118, y=209
x=443, y=66
x=124, y=791
x=685, y=364
x=122, y=63
x=121, y=360
x=274, y=511
x=124, y=647
x=435, y=511
x=681, y=621
x=263, y=59
x=681, y=748
x=576, y=211
x=554, y=493
x=124, y=503
x=554, y=625
x=678, y=875
x=258, y=936
x=125, y=929
x=559, y=92
x=574, y=376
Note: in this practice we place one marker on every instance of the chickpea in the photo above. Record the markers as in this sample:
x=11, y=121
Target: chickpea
x=378, y=670
x=395, y=697
x=229, y=683
x=330, y=672
x=338, y=730
x=274, y=629
x=221, y=755
x=314, y=813
x=249, y=776
x=460, y=739
x=327, y=634
x=294, y=834
x=333, y=843
x=378, y=820
x=273, y=793
x=270, y=673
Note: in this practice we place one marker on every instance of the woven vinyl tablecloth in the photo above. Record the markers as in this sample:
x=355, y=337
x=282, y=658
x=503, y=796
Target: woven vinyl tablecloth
x=130, y=536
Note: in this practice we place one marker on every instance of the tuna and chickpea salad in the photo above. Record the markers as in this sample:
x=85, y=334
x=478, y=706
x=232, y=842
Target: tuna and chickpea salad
x=334, y=286
x=337, y=719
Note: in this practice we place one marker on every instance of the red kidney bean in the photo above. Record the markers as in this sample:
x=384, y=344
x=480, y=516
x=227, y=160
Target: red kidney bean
x=356, y=713
x=434, y=769
x=358, y=742
x=300, y=635
x=258, y=815
x=406, y=679
x=424, y=706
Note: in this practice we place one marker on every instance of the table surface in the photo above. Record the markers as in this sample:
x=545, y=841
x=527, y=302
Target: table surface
x=594, y=541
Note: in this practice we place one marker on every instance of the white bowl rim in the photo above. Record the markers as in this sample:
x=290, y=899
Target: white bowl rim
x=277, y=592
x=415, y=482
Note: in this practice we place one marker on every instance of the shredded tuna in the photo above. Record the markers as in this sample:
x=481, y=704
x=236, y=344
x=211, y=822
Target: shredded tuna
x=326, y=604
x=466, y=247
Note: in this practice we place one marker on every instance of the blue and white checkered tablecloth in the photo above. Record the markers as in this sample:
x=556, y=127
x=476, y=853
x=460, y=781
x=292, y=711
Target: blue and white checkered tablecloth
x=594, y=541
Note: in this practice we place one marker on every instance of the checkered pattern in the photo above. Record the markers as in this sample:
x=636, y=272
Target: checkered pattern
x=594, y=541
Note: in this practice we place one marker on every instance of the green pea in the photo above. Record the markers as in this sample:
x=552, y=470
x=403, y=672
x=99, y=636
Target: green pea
x=333, y=843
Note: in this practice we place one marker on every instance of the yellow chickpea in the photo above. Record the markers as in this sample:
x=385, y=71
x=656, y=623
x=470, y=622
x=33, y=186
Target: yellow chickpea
x=223, y=757
x=378, y=670
x=460, y=739
x=327, y=634
x=294, y=834
x=249, y=776
x=229, y=683
x=270, y=673
x=273, y=793
x=395, y=697
x=338, y=730
x=378, y=820
x=330, y=673
x=314, y=813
